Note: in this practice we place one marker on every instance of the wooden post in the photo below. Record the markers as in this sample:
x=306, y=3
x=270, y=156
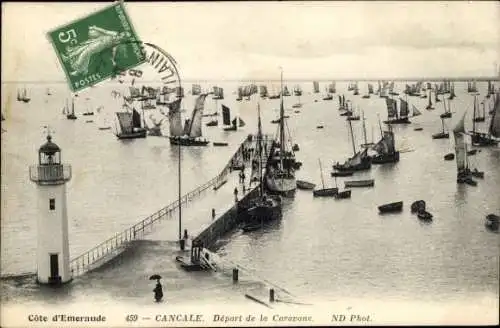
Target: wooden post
x=235, y=275
x=271, y=295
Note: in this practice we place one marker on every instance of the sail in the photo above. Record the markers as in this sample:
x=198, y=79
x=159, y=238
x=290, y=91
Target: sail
x=136, y=119
x=495, y=118
x=125, y=121
x=403, y=110
x=241, y=123
x=226, y=115
x=460, y=150
x=391, y=107
x=386, y=145
x=316, y=86
x=174, y=118
x=195, y=125
x=187, y=123
x=370, y=88
x=179, y=91
x=240, y=92
x=416, y=112
x=263, y=91
x=357, y=158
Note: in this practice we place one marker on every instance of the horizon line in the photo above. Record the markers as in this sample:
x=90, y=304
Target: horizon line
x=343, y=79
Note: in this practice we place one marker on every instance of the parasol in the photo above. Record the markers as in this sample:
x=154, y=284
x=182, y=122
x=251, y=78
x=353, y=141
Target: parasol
x=155, y=277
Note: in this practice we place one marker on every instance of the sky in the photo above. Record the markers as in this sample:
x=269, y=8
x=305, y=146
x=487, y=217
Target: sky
x=251, y=40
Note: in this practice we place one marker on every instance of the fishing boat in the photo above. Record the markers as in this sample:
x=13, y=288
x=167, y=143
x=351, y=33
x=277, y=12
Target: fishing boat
x=328, y=95
x=264, y=208
x=214, y=122
x=352, y=117
x=356, y=89
x=240, y=94
x=319, y=126
x=359, y=183
x=391, y=207
x=285, y=91
x=464, y=174
x=359, y=161
x=218, y=93
x=70, y=115
x=429, y=105
x=480, y=117
x=88, y=112
x=263, y=91
x=342, y=173
x=385, y=148
x=442, y=134
x=492, y=221
x=305, y=185
x=231, y=125
x=298, y=92
x=488, y=139
x=130, y=125
x=324, y=192
x=342, y=103
x=280, y=171
x=191, y=134
x=48, y=92
x=344, y=194
x=452, y=92
x=23, y=96
x=392, y=112
x=315, y=86
x=447, y=110
x=195, y=89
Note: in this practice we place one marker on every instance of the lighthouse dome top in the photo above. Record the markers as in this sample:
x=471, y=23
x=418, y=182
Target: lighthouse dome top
x=49, y=148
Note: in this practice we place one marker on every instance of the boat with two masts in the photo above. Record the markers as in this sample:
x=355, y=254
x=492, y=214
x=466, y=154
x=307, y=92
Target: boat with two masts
x=482, y=139
x=191, y=133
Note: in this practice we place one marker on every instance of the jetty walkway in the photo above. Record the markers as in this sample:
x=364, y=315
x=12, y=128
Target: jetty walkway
x=221, y=199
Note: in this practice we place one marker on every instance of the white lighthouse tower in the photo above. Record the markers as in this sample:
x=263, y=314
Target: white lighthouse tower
x=51, y=176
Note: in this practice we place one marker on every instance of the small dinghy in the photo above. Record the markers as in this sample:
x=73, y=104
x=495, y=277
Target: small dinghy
x=343, y=194
x=296, y=111
x=319, y=126
x=391, y=207
x=359, y=183
x=295, y=147
x=301, y=184
x=492, y=222
x=325, y=192
x=418, y=129
x=424, y=215
x=449, y=157
x=472, y=152
x=220, y=144
x=477, y=174
x=418, y=206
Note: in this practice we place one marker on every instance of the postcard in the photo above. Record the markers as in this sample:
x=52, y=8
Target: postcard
x=228, y=164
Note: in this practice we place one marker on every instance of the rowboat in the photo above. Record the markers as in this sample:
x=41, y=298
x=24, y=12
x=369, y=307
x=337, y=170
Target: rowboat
x=301, y=184
x=359, y=183
x=391, y=207
x=492, y=222
x=326, y=192
x=418, y=206
x=424, y=215
x=342, y=173
x=343, y=194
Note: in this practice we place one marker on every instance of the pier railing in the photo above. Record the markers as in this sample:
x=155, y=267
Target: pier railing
x=113, y=245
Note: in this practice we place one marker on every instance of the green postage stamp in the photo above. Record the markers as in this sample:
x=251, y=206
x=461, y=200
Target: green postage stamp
x=93, y=48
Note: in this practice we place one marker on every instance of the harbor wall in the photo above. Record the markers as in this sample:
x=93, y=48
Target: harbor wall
x=225, y=223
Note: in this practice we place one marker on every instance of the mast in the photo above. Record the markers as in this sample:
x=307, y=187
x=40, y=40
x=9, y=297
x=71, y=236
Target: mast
x=442, y=124
x=474, y=116
x=282, y=125
x=352, y=138
x=259, y=140
x=321, y=172
x=380, y=126
x=364, y=127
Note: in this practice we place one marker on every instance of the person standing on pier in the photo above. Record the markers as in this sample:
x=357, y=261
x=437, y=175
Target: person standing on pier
x=236, y=194
x=213, y=213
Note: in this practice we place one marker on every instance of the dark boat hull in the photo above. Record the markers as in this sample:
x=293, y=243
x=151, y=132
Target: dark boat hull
x=342, y=174
x=418, y=206
x=132, y=135
x=343, y=194
x=386, y=158
x=441, y=135
x=366, y=164
x=403, y=120
x=220, y=144
x=265, y=210
x=449, y=157
x=424, y=215
x=327, y=192
x=391, y=208
x=212, y=123
x=445, y=115
x=482, y=140
x=304, y=185
x=187, y=142
x=492, y=222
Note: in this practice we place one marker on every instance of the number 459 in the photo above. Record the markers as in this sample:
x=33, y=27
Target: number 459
x=68, y=36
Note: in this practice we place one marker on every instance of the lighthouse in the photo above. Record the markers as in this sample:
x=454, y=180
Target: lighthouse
x=50, y=176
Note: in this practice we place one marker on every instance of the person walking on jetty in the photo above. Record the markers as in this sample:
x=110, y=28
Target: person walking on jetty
x=158, y=291
x=235, y=194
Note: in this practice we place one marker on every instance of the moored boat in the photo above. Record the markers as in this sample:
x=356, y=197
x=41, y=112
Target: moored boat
x=492, y=222
x=449, y=157
x=359, y=183
x=305, y=185
x=391, y=207
x=191, y=133
x=220, y=144
x=342, y=173
x=344, y=194
x=324, y=192
x=418, y=206
x=424, y=215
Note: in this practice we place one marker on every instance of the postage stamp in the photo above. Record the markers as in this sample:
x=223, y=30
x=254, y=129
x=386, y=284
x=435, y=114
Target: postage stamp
x=105, y=40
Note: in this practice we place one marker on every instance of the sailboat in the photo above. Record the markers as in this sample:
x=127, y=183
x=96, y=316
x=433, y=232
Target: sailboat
x=429, y=106
x=191, y=134
x=71, y=115
x=24, y=96
x=284, y=91
x=195, y=89
x=478, y=117
x=231, y=125
x=366, y=144
x=491, y=90
x=446, y=109
x=264, y=207
x=392, y=112
x=130, y=125
x=88, y=112
x=263, y=91
x=324, y=192
x=442, y=134
x=342, y=102
x=385, y=148
x=370, y=91
x=488, y=139
x=328, y=95
x=359, y=161
x=452, y=92
x=48, y=92
x=464, y=174
x=297, y=92
x=280, y=172
x=240, y=94
x=103, y=123
x=356, y=89
x=214, y=122
x=315, y=86
x=332, y=88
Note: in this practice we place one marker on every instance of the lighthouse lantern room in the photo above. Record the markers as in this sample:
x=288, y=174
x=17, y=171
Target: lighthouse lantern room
x=50, y=176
